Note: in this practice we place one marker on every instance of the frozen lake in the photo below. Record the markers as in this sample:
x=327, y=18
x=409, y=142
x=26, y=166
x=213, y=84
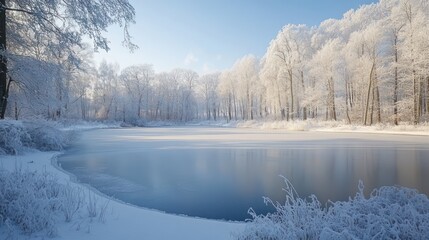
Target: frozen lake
x=219, y=173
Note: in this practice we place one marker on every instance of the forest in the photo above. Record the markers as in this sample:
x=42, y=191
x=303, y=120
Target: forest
x=371, y=66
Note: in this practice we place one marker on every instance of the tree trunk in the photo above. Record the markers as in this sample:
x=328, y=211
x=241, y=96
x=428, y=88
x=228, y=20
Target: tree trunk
x=371, y=117
x=282, y=112
x=16, y=111
x=347, y=101
x=4, y=86
x=351, y=96
x=332, y=115
x=251, y=108
x=304, y=109
x=421, y=92
x=326, y=114
x=229, y=107
x=123, y=113
x=249, y=103
x=235, y=106
x=292, y=112
x=395, y=91
x=207, y=110
x=377, y=97
x=365, y=121
x=427, y=95
x=139, y=108
x=415, y=98
x=287, y=113
x=82, y=108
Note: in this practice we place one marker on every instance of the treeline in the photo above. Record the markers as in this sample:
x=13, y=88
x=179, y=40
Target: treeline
x=371, y=66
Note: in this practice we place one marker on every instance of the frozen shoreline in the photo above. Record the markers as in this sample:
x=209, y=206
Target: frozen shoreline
x=323, y=126
x=123, y=221
x=131, y=222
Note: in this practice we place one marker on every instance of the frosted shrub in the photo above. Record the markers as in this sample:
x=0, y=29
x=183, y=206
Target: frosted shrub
x=72, y=201
x=16, y=137
x=29, y=201
x=92, y=205
x=12, y=136
x=34, y=203
x=389, y=213
x=45, y=137
x=94, y=208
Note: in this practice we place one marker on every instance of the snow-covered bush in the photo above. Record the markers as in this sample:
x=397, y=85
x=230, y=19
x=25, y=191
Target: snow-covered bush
x=34, y=203
x=17, y=136
x=46, y=137
x=388, y=213
x=29, y=201
x=12, y=136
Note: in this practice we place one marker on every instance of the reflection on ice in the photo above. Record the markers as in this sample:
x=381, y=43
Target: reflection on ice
x=220, y=173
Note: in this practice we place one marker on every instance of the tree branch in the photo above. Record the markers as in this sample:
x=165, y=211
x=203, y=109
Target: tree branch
x=18, y=10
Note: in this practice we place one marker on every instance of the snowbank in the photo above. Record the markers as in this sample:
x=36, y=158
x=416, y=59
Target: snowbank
x=17, y=137
x=195, y=123
x=79, y=125
x=335, y=126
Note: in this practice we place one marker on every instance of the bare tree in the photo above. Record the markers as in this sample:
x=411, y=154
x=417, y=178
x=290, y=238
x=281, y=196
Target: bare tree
x=65, y=22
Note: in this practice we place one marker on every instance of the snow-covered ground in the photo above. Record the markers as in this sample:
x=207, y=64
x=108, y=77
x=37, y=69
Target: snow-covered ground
x=333, y=126
x=119, y=221
x=308, y=125
x=124, y=221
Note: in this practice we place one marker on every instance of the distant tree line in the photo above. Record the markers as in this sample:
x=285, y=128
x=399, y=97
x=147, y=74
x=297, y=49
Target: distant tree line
x=370, y=66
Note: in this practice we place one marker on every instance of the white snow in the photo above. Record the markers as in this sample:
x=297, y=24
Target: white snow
x=122, y=221
x=335, y=126
x=389, y=213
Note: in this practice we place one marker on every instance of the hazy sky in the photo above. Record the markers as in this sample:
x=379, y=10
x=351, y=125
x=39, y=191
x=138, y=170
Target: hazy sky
x=209, y=35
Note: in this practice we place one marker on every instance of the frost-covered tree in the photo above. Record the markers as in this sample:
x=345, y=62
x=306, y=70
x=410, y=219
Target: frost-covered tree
x=285, y=69
x=188, y=82
x=55, y=24
x=208, y=86
x=106, y=92
x=369, y=66
x=270, y=77
x=227, y=91
x=414, y=52
x=174, y=96
x=364, y=56
x=137, y=81
x=246, y=72
x=35, y=93
x=325, y=69
x=284, y=50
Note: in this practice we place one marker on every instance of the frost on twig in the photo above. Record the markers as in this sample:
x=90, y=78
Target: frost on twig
x=34, y=203
x=388, y=213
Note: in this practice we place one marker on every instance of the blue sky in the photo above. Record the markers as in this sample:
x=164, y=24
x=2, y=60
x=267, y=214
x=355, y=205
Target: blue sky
x=210, y=35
